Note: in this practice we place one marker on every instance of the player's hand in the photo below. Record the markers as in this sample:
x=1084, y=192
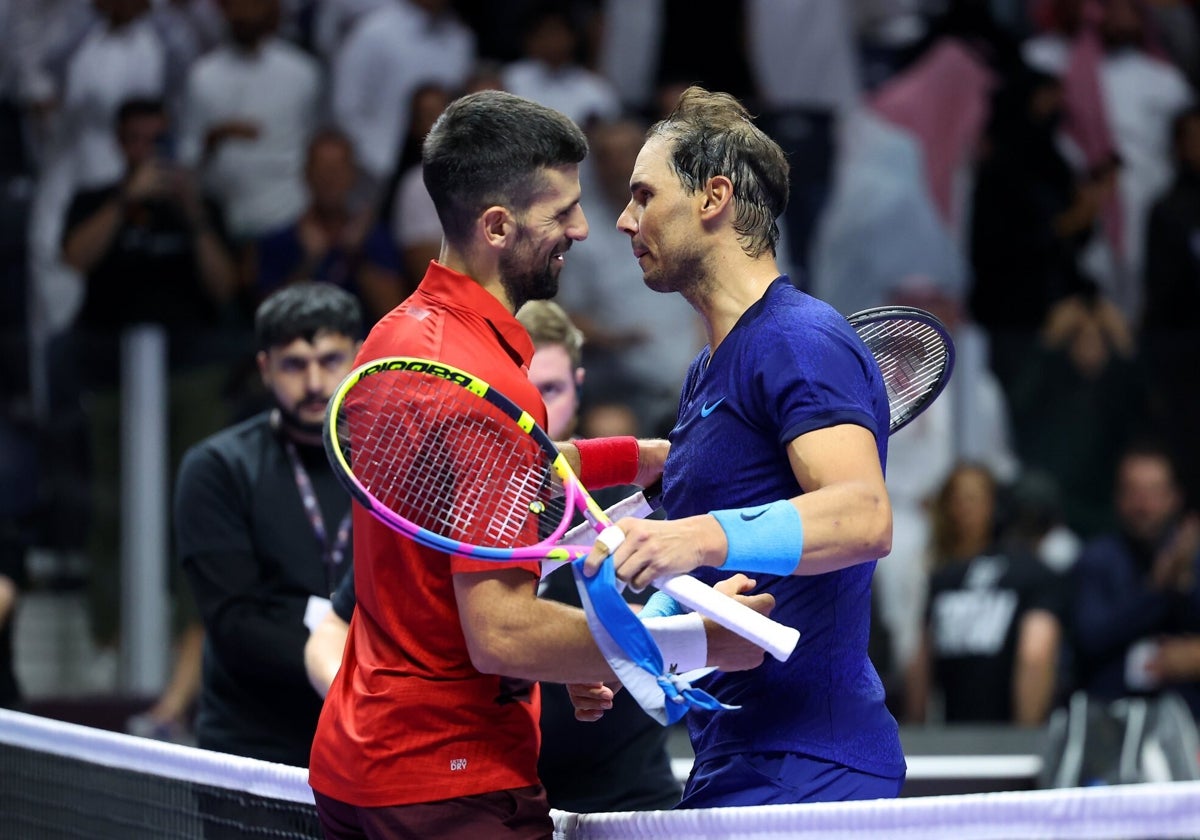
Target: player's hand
x=655, y=548
x=727, y=650
x=591, y=700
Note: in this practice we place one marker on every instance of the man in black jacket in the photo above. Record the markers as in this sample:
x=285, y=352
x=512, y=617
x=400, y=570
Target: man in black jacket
x=263, y=531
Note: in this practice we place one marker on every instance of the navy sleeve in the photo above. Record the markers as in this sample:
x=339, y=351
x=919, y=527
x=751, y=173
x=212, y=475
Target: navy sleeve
x=816, y=379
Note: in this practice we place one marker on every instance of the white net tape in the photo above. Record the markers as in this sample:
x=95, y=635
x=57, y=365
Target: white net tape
x=173, y=761
x=1128, y=811
x=1131, y=812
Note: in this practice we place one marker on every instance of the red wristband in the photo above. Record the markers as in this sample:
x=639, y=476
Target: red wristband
x=606, y=462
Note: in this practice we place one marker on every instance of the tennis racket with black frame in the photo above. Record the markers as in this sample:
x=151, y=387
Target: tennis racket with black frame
x=915, y=354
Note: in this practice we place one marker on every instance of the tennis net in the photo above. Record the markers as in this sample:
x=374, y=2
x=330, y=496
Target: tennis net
x=60, y=780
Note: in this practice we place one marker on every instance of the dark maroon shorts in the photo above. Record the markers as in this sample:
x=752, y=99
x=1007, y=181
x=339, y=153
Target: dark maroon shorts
x=519, y=814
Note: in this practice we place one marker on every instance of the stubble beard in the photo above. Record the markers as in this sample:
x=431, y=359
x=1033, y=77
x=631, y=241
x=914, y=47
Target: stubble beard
x=523, y=280
x=686, y=275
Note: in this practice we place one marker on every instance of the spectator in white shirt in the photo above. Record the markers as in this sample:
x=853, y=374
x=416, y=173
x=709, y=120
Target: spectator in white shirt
x=551, y=74
x=252, y=104
x=121, y=57
x=390, y=52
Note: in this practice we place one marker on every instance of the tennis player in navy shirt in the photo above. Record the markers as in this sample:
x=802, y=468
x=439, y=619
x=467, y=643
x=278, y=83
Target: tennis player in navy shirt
x=776, y=469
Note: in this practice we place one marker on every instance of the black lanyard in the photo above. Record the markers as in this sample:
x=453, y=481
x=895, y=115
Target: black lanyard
x=332, y=555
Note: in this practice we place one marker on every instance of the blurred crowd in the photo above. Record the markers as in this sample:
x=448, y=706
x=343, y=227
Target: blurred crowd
x=1028, y=170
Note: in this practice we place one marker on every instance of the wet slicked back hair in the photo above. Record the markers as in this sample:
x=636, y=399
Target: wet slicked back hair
x=488, y=148
x=712, y=134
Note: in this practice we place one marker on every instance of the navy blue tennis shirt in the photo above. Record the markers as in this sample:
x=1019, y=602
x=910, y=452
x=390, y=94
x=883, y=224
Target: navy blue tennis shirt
x=792, y=364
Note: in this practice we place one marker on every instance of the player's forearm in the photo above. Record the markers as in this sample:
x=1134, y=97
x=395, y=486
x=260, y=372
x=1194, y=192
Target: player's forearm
x=844, y=524
x=509, y=631
x=832, y=528
x=552, y=642
x=542, y=640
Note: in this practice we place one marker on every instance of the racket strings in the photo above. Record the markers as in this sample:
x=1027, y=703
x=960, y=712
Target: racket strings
x=912, y=358
x=447, y=461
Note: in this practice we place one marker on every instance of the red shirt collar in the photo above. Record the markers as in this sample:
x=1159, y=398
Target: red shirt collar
x=459, y=291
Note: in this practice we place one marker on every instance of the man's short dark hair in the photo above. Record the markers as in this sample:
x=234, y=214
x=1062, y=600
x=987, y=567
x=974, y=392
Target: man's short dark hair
x=301, y=310
x=488, y=148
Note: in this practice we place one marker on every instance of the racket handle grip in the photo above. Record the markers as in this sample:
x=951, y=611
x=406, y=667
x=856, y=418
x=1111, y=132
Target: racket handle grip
x=777, y=639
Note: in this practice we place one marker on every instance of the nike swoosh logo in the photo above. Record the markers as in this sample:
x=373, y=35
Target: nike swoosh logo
x=707, y=409
x=750, y=516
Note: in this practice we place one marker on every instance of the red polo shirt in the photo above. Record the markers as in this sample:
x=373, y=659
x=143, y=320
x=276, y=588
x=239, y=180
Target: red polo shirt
x=408, y=719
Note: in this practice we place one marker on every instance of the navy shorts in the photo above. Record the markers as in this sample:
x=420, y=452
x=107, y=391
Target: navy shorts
x=780, y=779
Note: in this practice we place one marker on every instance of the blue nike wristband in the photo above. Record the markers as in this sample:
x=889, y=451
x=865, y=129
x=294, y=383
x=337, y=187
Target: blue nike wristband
x=767, y=538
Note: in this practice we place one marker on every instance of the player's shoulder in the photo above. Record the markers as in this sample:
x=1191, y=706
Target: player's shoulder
x=413, y=328
x=798, y=316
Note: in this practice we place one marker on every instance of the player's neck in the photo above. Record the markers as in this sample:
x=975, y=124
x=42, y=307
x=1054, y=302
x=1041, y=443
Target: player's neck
x=484, y=270
x=737, y=284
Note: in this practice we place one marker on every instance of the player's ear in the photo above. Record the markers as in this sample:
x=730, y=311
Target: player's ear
x=497, y=225
x=716, y=196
